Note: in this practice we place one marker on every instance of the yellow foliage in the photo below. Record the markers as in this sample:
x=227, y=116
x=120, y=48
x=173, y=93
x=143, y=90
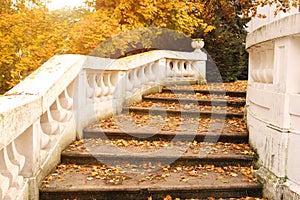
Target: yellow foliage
x=139, y=22
x=29, y=38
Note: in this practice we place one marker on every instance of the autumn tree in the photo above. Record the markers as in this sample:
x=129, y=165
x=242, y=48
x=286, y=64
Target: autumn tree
x=229, y=35
x=13, y=6
x=30, y=37
x=143, y=20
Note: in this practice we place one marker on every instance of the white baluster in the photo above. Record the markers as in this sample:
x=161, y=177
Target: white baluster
x=184, y=68
x=268, y=72
x=145, y=79
x=65, y=101
x=170, y=68
x=70, y=90
x=4, y=185
x=98, y=89
x=129, y=84
x=263, y=66
x=148, y=73
x=157, y=73
x=8, y=169
x=89, y=86
x=89, y=92
x=109, y=85
x=254, y=74
x=113, y=80
x=104, y=86
x=48, y=124
x=176, y=68
x=259, y=66
x=190, y=69
x=136, y=80
x=58, y=114
x=44, y=140
x=16, y=158
x=66, y=112
x=268, y=75
x=254, y=68
x=44, y=137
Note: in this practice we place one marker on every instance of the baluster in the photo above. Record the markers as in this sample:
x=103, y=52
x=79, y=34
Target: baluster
x=11, y=171
x=44, y=139
x=268, y=72
x=263, y=66
x=259, y=72
x=254, y=65
x=149, y=73
x=180, y=69
x=16, y=158
x=145, y=79
x=57, y=113
x=184, y=66
x=98, y=89
x=48, y=124
x=113, y=81
x=129, y=85
x=19, y=161
x=4, y=186
x=70, y=90
x=109, y=85
x=190, y=69
x=170, y=69
x=62, y=109
x=119, y=79
x=89, y=86
x=176, y=68
x=104, y=86
x=136, y=80
x=65, y=101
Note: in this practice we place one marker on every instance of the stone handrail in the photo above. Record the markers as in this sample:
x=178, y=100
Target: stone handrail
x=49, y=109
x=273, y=109
x=268, y=12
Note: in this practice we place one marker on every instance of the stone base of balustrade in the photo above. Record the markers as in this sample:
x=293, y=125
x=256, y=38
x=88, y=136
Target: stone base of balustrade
x=277, y=188
x=272, y=185
x=291, y=191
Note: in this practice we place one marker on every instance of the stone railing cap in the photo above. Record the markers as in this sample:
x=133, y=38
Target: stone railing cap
x=286, y=26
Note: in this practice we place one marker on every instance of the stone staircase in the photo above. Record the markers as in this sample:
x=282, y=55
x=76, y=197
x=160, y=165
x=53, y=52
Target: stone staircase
x=187, y=142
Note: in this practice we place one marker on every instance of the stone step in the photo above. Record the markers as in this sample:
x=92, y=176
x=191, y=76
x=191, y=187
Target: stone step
x=149, y=135
x=237, y=89
x=117, y=151
x=214, y=112
x=194, y=91
x=177, y=128
x=70, y=181
x=203, y=102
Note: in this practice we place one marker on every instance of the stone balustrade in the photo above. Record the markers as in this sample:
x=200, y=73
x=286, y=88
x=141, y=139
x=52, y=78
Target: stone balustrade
x=49, y=109
x=273, y=109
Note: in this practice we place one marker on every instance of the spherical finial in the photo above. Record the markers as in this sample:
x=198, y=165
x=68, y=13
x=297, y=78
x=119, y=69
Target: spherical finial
x=197, y=44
